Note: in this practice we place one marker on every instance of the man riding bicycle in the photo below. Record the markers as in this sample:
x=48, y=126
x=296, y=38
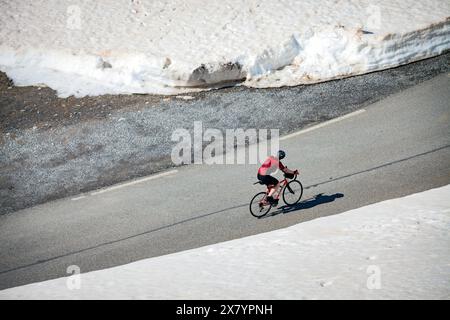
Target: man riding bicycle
x=270, y=166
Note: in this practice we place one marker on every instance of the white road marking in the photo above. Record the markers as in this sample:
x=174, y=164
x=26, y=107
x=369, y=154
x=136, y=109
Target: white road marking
x=156, y=176
x=323, y=124
x=78, y=198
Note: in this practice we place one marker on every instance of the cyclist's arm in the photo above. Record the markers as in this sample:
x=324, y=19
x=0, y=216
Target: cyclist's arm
x=286, y=170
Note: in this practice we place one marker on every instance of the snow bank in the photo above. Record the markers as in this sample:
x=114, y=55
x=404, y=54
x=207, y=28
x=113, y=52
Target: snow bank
x=169, y=47
x=390, y=250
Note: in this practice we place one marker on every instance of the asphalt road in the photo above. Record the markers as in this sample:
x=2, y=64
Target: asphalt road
x=52, y=148
x=398, y=146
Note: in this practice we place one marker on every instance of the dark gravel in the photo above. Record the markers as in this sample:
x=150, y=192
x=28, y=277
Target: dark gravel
x=51, y=147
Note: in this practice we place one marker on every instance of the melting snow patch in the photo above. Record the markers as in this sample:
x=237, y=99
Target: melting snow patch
x=172, y=47
x=185, y=97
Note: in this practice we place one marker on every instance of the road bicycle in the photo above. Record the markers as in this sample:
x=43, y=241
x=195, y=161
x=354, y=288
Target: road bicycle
x=291, y=191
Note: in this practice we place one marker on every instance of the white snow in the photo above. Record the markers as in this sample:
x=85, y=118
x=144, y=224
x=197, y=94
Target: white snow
x=396, y=249
x=175, y=46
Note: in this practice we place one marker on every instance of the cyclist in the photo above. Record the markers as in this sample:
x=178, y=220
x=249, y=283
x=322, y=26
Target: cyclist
x=269, y=167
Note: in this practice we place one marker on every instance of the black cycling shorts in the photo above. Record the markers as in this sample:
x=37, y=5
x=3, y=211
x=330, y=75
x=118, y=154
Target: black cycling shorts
x=268, y=180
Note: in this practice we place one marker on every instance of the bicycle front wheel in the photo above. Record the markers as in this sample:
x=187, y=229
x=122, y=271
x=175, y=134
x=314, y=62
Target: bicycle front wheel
x=293, y=192
x=258, y=208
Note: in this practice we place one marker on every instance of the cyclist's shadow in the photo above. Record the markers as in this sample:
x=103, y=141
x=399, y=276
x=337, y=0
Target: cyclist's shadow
x=307, y=204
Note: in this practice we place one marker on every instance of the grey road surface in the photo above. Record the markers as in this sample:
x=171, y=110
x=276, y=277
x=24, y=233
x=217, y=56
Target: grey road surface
x=398, y=146
x=53, y=148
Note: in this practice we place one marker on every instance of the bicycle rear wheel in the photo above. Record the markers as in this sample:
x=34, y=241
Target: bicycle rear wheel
x=293, y=192
x=257, y=208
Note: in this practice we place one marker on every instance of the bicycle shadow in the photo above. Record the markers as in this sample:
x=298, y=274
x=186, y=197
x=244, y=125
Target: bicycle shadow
x=306, y=204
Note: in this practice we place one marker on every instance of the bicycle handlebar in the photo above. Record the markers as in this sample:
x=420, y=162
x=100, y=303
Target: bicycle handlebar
x=295, y=174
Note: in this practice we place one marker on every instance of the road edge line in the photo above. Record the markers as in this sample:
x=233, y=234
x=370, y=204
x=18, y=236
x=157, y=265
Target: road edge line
x=156, y=176
x=323, y=124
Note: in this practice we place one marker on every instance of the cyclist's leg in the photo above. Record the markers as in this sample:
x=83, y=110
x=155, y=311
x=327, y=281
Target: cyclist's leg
x=273, y=189
x=263, y=181
x=271, y=182
x=275, y=185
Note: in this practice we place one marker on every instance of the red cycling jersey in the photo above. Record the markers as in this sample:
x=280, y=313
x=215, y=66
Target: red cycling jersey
x=270, y=166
